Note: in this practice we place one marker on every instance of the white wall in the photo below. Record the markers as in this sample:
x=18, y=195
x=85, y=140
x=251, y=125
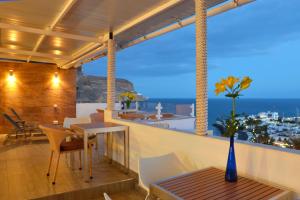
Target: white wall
x=269, y=165
x=187, y=123
x=85, y=109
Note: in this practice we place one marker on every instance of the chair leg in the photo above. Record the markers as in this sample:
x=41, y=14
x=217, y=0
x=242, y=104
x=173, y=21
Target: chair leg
x=80, y=162
x=50, y=162
x=55, y=172
x=91, y=160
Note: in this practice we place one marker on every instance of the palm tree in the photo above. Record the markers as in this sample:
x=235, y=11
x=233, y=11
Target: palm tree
x=224, y=126
x=295, y=142
x=261, y=135
x=252, y=122
x=220, y=126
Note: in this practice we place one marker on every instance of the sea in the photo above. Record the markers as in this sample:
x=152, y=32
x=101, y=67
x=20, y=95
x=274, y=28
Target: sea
x=220, y=108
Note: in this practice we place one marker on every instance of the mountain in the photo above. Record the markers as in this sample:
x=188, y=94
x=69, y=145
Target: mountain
x=91, y=89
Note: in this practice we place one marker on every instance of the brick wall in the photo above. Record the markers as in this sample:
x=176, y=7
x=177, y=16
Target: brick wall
x=33, y=94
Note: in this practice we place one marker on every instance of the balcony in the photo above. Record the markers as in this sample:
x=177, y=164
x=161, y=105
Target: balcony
x=42, y=44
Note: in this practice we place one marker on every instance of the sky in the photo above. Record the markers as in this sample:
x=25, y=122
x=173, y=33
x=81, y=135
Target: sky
x=260, y=40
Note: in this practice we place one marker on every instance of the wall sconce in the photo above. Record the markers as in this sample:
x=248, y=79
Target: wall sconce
x=55, y=107
x=56, y=79
x=11, y=77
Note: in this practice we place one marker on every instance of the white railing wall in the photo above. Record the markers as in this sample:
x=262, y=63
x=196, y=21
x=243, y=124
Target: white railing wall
x=267, y=164
x=85, y=109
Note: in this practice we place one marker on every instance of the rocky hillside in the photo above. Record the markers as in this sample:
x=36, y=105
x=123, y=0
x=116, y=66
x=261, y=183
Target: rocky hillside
x=93, y=88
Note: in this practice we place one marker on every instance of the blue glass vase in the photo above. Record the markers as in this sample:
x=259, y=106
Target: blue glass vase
x=231, y=173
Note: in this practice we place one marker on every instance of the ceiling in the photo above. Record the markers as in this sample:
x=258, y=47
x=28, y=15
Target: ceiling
x=63, y=31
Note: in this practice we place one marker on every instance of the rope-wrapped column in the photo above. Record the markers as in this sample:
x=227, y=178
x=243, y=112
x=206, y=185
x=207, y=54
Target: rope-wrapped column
x=201, y=68
x=111, y=80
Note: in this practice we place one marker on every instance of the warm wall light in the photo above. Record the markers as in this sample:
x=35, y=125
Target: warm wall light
x=13, y=36
x=57, y=52
x=11, y=77
x=12, y=46
x=57, y=42
x=56, y=79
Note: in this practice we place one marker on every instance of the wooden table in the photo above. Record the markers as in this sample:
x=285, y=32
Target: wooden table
x=210, y=184
x=100, y=128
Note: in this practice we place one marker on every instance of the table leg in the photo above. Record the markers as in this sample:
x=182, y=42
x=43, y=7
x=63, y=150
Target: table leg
x=86, y=163
x=126, y=149
x=70, y=158
x=106, y=144
x=111, y=147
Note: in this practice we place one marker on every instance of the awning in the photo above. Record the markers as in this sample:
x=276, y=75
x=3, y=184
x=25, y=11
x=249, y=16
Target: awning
x=68, y=32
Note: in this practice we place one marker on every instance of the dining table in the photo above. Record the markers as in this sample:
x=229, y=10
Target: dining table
x=88, y=129
x=209, y=184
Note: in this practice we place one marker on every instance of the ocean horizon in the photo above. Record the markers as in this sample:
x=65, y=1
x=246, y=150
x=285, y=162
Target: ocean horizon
x=221, y=107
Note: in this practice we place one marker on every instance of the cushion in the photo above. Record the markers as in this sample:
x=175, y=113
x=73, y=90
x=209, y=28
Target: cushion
x=74, y=144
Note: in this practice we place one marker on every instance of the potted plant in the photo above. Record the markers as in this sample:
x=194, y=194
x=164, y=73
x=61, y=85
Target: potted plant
x=127, y=97
x=232, y=87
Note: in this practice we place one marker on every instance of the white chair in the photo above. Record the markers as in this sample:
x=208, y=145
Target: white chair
x=153, y=169
x=106, y=197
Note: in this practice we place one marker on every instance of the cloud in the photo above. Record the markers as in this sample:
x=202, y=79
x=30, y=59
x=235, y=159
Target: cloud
x=253, y=29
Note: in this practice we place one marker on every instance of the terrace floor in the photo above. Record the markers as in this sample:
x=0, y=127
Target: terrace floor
x=23, y=168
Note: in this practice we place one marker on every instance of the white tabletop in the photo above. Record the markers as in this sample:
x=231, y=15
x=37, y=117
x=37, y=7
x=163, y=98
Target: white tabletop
x=99, y=127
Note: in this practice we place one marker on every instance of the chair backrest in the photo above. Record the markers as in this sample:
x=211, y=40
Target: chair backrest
x=183, y=109
x=55, y=136
x=16, y=114
x=97, y=117
x=79, y=120
x=106, y=197
x=11, y=121
x=153, y=169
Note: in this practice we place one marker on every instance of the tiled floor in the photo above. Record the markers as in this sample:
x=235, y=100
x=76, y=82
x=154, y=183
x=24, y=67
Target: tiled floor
x=23, y=174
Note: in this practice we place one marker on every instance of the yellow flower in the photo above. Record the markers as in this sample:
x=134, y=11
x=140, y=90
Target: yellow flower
x=128, y=96
x=245, y=83
x=231, y=81
x=220, y=87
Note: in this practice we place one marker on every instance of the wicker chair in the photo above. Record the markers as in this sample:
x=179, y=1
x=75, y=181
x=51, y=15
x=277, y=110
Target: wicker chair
x=93, y=140
x=58, y=145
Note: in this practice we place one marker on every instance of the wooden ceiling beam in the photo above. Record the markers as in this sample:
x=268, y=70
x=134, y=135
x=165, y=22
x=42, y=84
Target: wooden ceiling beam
x=68, y=5
x=32, y=53
x=159, y=9
x=48, y=32
x=147, y=15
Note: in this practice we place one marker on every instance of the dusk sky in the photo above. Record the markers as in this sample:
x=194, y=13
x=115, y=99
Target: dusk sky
x=260, y=40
